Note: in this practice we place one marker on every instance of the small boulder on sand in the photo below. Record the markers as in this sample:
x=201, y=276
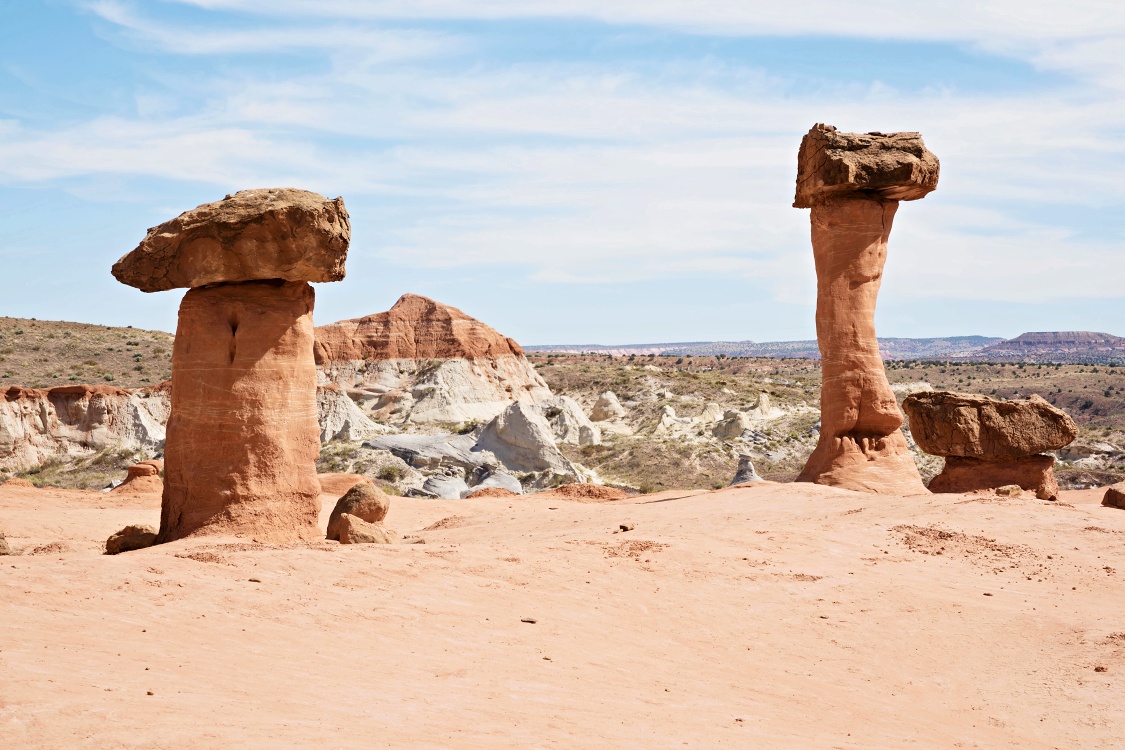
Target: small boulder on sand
x=130, y=538
x=1115, y=496
x=354, y=530
x=364, y=501
x=4, y=548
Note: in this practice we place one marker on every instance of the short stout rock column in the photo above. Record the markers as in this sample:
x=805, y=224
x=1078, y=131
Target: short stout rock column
x=988, y=443
x=242, y=436
x=853, y=183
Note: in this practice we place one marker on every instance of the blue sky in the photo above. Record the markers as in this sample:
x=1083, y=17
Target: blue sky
x=574, y=171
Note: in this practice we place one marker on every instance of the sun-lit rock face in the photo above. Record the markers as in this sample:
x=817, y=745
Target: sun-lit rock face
x=37, y=424
x=853, y=183
x=426, y=362
x=252, y=235
x=242, y=436
x=988, y=443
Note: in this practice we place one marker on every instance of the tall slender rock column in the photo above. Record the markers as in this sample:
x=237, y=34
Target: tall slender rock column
x=853, y=183
x=242, y=438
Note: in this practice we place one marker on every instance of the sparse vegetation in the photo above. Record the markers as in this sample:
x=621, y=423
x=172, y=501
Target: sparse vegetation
x=44, y=353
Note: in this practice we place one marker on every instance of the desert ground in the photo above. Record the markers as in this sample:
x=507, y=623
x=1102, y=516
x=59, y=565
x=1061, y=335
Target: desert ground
x=769, y=615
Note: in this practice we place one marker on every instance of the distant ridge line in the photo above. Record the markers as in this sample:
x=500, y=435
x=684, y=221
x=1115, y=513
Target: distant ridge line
x=1061, y=347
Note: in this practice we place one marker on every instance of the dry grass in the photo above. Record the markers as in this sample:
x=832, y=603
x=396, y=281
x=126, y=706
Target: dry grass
x=41, y=354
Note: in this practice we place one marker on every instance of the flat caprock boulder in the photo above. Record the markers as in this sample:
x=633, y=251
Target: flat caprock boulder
x=966, y=425
x=252, y=235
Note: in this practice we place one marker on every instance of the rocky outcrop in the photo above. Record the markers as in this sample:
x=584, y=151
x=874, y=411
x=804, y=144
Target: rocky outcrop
x=1114, y=496
x=70, y=420
x=4, y=548
x=275, y=233
x=569, y=423
x=424, y=362
x=130, y=538
x=364, y=501
x=522, y=439
x=607, y=408
x=340, y=419
x=443, y=487
x=142, y=478
x=988, y=443
x=242, y=436
x=962, y=424
x=75, y=420
x=745, y=472
x=853, y=183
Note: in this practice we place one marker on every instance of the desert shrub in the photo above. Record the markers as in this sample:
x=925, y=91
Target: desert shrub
x=391, y=473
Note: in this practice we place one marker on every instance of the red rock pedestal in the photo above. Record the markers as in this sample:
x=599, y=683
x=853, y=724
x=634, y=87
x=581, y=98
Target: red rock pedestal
x=853, y=183
x=861, y=446
x=243, y=439
x=1032, y=473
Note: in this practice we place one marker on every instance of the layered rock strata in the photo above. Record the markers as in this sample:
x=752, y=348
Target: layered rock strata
x=424, y=362
x=853, y=183
x=988, y=443
x=242, y=437
x=37, y=424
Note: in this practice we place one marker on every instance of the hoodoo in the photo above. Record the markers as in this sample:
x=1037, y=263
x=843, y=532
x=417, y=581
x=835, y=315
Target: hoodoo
x=853, y=183
x=242, y=436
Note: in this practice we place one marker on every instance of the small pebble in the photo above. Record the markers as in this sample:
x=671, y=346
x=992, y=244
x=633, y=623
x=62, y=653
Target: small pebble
x=1100, y=669
x=150, y=692
x=528, y=620
x=987, y=594
x=255, y=580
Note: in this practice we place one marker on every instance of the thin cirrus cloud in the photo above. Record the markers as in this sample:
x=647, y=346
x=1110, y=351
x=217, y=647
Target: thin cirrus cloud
x=587, y=171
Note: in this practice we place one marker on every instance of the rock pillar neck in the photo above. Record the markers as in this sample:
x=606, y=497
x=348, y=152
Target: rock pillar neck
x=242, y=436
x=860, y=445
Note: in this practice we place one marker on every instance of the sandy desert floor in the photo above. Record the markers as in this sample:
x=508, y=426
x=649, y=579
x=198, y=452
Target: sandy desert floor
x=777, y=615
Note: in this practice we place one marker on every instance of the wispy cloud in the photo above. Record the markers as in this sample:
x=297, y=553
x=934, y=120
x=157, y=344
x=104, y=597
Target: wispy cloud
x=588, y=172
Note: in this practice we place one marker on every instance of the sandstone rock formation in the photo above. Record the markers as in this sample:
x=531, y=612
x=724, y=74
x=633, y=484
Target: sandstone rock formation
x=745, y=472
x=364, y=501
x=141, y=478
x=444, y=487
x=41, y=423
x=1114, y=496
x=129, y=539
x=340, y=419
x=357, y=531
x=252, y=235
x=1033, y=473
x=962, y=424
x=607, y=407
x=853, y=183
x=569, y=423
x=4, y=548
x=242, y=437
x=424, y=362
x=522, y=439
x=988, y=443
x=732, y=425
